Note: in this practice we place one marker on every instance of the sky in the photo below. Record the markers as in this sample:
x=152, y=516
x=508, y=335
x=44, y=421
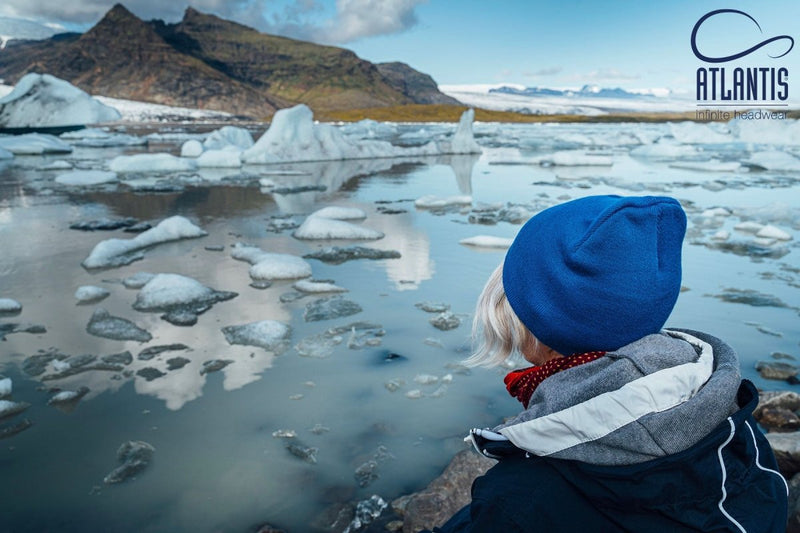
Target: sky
x=564, y=44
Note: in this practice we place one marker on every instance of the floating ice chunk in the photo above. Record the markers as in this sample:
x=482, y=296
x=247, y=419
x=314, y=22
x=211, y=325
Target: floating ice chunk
x=9, y=408
x=135, y=456
x=173, y=292
x=68, y=396
x=220, y=159
x=577, y=158
x=5, y=387
x=34, y=144
x=268, y=334
x=90, y=294
x=721, y=235
x=59, y=164
x=487, y=241
x=432, y=307
x=269, y=266
x=694, y=133
x=306, y=453
x=665, y=151
x=709, y=166
x=771, y=232
x=9, y=306
x=42, y=100
x=426, y=379
x=284, y=434
x=415, y=394
x=749, y=227
x=340, y=213
x=320, y=228
x=86, y=177
x=445, y=321
x=774, y=160
x=191, y=148
x=102, y=324
x=336, y=255
x=214, y=365
x=138, y=280
x=151, y=163
x=716, y=212
x=329, y=308
x=228, y=136
x=433, y=202
x=9, y=328
x=463, y=140
x=317, y=287
x=115, y=252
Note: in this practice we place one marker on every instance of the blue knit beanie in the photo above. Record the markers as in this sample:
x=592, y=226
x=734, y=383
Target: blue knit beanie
x=596, y=273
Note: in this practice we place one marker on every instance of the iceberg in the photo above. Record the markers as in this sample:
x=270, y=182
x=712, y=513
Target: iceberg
x=9, y=408
x=90, y=294
x=268, y=334
x=86, y=178
x=180, y=297
x=42, y=100
x=774, y=160
x=117, y=252
x=191, y=148
x=5, y=387
x=321, y=228
x=269, y=266
x=151, y=163
x=293, y=136
x=9, y=306
x=225, y=158
x=228, y=136
x=34, y=144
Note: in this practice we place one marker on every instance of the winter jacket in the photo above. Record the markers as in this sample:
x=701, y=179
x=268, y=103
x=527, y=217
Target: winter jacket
x=656, y=436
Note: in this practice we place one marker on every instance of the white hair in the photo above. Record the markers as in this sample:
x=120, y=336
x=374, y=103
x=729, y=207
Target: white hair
x=496, y=330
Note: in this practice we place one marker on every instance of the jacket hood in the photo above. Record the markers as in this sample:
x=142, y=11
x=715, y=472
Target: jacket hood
x=654, y=397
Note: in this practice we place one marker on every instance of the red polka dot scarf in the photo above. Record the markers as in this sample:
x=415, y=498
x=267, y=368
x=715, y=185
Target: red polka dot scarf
x=521, y=383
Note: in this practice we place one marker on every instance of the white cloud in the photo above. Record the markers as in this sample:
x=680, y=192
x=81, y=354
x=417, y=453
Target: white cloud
x=352, y=19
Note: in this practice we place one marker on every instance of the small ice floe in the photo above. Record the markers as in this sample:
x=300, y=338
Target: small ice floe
x=688, y=132
x=9, y=307
x=438, y=202
x=88, y=294
x=151, y=163
x=749, y=297
x=9, y=328
x=34, y=144
x=340, y=213
x=335, y=255
x=432, y=307
x=318, y=346
x=394, y=384
x=319, y=429
x=181, y=298
x=9, y=408
x=191, y=148
x=270, y=266
x=268, y=334
x=214, y=365
x=713, y=165
x=123, y=358
x=754, y=248
x=372, y=338
x=100, y=138
x=135, y=456
x=445, y=321
x=42, y=100
x=366, y=473
x=576, y=158
x=487, y=241
x=68, y=399
x=86, y=178
x=430, y=341
x=284, y=434
x=316, y=287
x=117, y=252
x=102, y=324
x=155, y=351
x=426, y=379
x=716, y=212
x=773, y=160
x=36, y=364
x=665, y=151
x=366, y=512
x=415, y=394
x=176, y=363
x=490, y=215
x=721, y=235
x=5, y=386
x=77, y=364
x=58, y=164
x=749, y=227
x=13, y=429
x=104, y=224
x=220, y=159
x=228, y=136
x=306, y=453
x=138, y=280
x=330, y=308
x=772, y=232
x=321, y=228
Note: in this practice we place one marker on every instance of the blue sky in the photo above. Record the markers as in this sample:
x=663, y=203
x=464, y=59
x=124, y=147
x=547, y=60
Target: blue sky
x=629, y=44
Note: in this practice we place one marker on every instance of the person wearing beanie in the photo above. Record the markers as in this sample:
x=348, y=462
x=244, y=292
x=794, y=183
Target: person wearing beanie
x=626, y=426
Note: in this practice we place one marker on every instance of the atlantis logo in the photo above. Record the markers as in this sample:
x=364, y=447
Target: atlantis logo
x=761, y=85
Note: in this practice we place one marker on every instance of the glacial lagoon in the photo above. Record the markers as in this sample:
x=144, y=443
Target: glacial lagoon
x=335, y=409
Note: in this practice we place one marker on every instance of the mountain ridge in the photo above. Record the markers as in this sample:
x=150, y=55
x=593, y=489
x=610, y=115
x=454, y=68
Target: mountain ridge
x=207, y=62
